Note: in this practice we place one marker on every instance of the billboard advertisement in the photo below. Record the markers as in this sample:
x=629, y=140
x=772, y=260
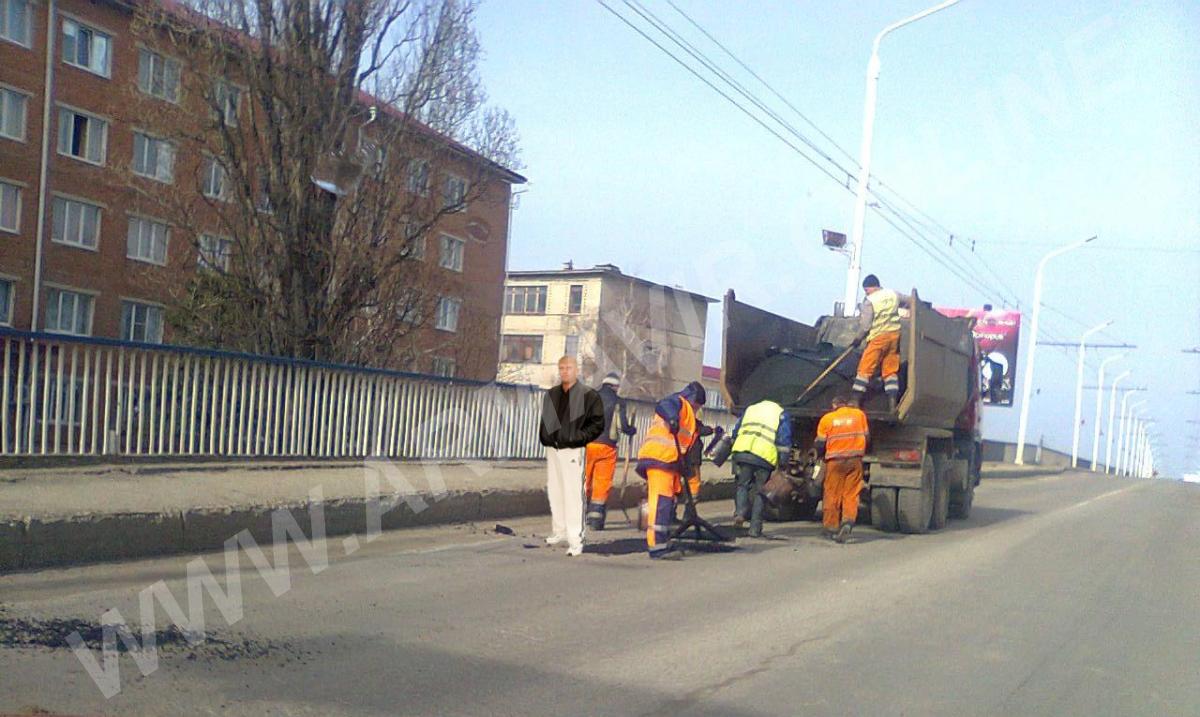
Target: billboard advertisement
x=996, y=333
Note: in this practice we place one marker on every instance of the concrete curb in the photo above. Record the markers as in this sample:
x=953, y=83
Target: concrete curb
x=1022, y=473
x=46, y=542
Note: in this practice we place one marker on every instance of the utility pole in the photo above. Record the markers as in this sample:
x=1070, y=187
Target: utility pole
x=1079, y=389
x=1112, y=407
x=864, y=154
x=1031, y=353
x=1100, y=407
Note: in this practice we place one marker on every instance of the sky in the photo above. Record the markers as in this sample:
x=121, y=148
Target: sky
x=1017, y=126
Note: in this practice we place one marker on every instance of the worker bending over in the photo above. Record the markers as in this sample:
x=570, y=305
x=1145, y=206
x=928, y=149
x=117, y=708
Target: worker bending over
x=879, y=327
x=842, y=439
x=759, y=437
x=673, y=430
x=601, y=461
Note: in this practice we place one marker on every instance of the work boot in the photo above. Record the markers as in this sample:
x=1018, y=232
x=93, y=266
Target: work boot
x=843, y=533
x=738, y=522
x=891, y=402
x=595, y=523
x=856, y=399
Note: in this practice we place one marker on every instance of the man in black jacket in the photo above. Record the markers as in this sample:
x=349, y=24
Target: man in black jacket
x=572, y=417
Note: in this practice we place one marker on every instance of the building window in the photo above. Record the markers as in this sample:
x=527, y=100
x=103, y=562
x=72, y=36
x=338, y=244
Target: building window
x=452, y=253
x=68, y=312
x=141, y=322
x=571, y=345
x=10, y=208
x=447, y=314
x=147, y=240
x=14, y=21
x=444, y=367
x=7, y=290
x=158, y=76
x=227, y=99
x=153, y=157
x=414, y=240
x=76, y=223
x=418, y=177
x=575, y=300
x=12, y=114
x=214, y=252
x=525, y=300
x=86, y=47
x=212, y=179
x=454, y=193
x=82, y=136
x=521, y=349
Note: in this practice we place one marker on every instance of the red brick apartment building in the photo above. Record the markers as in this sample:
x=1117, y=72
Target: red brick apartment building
x=104, y=261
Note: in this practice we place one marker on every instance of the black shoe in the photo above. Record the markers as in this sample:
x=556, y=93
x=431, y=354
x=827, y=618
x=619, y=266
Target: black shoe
x=891, y=403
x=843, y=533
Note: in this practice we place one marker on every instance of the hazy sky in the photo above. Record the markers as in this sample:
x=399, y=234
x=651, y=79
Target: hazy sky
x=1021, y=125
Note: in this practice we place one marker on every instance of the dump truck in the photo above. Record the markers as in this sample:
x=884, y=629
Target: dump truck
x=923, y=463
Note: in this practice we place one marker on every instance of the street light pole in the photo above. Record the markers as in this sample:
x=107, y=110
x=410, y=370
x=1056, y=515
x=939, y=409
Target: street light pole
x=864, y=154
x=1135, y=425
x=1079, y=389
x=1100, y=407
x=1112, y=407
x=1031, y=352
x=1122, y=433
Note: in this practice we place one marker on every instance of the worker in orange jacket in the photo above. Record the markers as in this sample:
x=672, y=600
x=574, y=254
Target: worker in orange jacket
x=842, y=440
x=601, y=458
x=673, y=430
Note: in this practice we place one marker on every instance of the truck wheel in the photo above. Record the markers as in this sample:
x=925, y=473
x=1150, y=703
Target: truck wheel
x=962, y=487
x=941, y=494
x=960, y=503
x=883, y=509
x=914, y=506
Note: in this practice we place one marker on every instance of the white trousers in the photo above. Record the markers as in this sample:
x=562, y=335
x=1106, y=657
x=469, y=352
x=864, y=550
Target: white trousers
x=564, y=486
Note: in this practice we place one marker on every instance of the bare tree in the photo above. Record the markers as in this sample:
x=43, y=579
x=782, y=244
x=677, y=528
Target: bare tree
x=330, y=137
x=632, y=340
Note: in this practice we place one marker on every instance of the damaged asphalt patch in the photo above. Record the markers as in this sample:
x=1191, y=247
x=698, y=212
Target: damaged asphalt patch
x=52, y=633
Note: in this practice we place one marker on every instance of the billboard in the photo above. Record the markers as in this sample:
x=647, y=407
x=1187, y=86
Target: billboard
x=996, y=333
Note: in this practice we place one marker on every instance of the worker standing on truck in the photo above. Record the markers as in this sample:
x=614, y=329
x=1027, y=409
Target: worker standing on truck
x=879, y=327
x=842, y=439
x=759, y=437
x=601, y=462
x=673, y=430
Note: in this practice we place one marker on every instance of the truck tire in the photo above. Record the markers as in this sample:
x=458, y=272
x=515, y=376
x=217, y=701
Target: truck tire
x=960, y=505
x=883, y=509
x=941, y=493
x=961, y=497
x=914, y=506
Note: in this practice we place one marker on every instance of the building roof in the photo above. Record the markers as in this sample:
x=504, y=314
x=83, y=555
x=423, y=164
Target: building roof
x=600, y=270
x=193, y=17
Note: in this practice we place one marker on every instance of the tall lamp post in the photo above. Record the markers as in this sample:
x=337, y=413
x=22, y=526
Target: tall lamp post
x=1079, y=389
x=864, y=156
x=1125, y=420
x=1112, y=407
x=1128, y=434
x=1031, y=352
x=1100, y=407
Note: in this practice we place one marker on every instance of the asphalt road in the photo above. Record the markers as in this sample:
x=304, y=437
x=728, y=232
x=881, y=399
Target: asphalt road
x=1062, y=595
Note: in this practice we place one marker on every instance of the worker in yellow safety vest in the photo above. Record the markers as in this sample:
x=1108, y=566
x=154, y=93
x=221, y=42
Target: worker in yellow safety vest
x=761, y=436
x=879, y=328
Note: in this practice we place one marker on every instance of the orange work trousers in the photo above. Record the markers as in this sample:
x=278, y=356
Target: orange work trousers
x=882, y=352
x=661, y=488
x=600, y=464
x=843, y=483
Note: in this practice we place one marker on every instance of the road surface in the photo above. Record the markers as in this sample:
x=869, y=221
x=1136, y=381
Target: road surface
x=1062, y=595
